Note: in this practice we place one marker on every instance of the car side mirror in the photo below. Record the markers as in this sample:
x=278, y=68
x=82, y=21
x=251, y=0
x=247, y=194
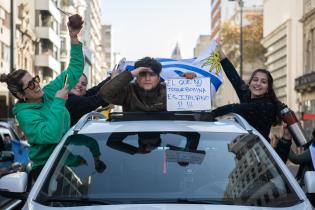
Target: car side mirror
x=14, y=185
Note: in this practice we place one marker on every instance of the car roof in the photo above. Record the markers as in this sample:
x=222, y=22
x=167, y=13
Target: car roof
x=99, y=126
x=235, y=124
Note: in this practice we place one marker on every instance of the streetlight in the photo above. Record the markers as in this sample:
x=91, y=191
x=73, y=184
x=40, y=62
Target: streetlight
x=12, y=63
x=241, y=5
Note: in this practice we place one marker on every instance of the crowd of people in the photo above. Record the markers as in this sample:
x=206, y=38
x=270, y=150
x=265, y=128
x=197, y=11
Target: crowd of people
x=45, y=114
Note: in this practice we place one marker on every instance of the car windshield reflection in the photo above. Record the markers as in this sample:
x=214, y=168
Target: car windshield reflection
x=167, y=167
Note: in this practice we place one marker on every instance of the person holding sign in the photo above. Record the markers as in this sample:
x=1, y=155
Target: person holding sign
x=41, y=113
x=259, y=104
x=147, y=93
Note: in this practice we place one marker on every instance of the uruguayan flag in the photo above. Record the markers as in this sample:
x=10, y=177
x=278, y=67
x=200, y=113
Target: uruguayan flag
x=312, y=151
x=206, y=65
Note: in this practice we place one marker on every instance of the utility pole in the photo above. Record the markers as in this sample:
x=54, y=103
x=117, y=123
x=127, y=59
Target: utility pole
x=241, y=4
x=12, y=66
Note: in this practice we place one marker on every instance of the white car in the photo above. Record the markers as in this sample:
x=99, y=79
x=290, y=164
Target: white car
x=140, y=161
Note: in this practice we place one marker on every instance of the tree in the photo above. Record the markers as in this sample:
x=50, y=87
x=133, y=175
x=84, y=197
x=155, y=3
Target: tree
x=253, y=51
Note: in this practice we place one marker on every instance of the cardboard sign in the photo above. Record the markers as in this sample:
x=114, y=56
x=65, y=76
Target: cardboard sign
x=188, y=94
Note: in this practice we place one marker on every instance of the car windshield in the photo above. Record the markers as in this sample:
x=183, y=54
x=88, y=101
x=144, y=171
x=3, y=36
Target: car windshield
x=166, y=167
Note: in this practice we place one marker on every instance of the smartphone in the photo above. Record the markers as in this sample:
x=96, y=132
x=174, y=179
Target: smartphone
x=65, y=80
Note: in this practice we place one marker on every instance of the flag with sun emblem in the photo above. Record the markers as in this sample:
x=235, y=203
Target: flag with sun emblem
x=206, y=65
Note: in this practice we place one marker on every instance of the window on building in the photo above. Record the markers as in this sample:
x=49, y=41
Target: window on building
x=5, y=52
x=308, y=57
x=55, y=52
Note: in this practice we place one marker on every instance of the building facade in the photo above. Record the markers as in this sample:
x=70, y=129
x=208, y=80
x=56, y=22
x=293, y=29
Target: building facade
x=305, y=82
x=4, y=54
x=203, y=42
x=106, y=48
x=176, y=52
x=229, y=11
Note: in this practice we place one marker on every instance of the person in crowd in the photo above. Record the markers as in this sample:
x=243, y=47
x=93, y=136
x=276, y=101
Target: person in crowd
x=147, y=93
x=283, y=148
x=258, y=102
x=41, y=113
x=81, y=101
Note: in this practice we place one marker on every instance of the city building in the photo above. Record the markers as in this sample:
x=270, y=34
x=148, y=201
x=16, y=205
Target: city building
x=223, y=11
x=283, y=40
x=176, y=53
x=106, y=49
x=4, y=54
x=90, y=37
x=249, y=171
x=305, y=81
x=203, y=42
x=45, y=19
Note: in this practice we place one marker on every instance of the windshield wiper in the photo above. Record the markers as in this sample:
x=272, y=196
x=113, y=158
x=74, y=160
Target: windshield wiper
x=204, y=201
x=186, y=201
x=83, y=200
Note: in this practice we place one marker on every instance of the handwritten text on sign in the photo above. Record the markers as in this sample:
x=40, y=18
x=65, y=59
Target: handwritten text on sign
x=188, y=94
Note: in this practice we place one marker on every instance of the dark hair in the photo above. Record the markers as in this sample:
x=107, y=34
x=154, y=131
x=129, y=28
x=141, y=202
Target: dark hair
x=270, y=93
x=150, y=63
x=13, y=81
x=84, y=76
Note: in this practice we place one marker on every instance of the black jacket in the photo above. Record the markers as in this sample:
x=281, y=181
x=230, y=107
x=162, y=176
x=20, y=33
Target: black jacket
x=259, y=112
x=80, y=105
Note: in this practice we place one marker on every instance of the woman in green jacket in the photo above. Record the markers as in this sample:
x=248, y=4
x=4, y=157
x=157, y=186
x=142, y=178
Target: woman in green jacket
x=41, y=113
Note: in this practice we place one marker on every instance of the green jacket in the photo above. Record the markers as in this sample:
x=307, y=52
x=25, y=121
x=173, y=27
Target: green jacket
x=45, y=123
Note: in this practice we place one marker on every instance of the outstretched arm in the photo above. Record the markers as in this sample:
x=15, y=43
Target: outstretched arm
x=74, y=70
x=233, y=76
x=115, y=90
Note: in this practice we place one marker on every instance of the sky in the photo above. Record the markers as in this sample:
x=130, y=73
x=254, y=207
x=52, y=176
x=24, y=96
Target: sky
x=153, y=27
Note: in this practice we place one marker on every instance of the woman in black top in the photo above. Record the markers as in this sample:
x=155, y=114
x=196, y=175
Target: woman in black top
x=258, y=101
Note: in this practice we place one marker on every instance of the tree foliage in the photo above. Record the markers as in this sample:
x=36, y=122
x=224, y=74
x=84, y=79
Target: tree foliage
x=252, y=36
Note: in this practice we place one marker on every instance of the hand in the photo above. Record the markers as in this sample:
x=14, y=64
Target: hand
x=115, y=72
x=74, y=26
x=189, y=75
x=63, y=93
x=136, y=71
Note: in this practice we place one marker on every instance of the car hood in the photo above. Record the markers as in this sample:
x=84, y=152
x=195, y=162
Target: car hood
x=301, y=206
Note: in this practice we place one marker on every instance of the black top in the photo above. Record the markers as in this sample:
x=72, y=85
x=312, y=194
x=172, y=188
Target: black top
x=259, y=112
x=80, y=105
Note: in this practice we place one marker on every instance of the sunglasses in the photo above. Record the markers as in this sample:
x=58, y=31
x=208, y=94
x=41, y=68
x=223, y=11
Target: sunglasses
x=145, y=73
x=31, y=84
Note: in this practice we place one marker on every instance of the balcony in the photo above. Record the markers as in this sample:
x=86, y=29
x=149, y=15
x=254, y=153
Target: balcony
x=46, y=60
x=45, y=32
x=48, y=5
x=305, y=82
